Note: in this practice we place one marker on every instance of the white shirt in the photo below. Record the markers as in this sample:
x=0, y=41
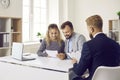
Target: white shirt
x=97, y=34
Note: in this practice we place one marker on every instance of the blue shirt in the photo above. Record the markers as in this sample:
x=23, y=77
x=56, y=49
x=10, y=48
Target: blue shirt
x=69, y=45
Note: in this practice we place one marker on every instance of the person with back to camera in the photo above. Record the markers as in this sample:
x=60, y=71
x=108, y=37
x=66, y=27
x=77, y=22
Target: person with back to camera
x=52, y=41
x=99, y=51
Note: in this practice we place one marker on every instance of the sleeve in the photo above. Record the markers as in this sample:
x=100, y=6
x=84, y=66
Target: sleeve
x=119, y=54
x=41, y=50
x=81, y=41
x=62, y=47
x=84, y=62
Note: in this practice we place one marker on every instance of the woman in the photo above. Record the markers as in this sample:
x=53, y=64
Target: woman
x=52, y=41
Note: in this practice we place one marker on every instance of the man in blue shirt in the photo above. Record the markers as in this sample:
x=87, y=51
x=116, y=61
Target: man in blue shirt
x=74, y=41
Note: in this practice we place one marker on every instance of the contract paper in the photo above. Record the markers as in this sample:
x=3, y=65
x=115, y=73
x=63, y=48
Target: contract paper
x=52, y=53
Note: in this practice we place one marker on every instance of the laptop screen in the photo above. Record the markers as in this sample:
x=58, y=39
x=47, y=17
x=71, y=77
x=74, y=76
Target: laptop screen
x=17, y=50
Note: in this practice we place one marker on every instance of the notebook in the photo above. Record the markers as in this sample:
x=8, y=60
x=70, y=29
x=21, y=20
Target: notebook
x=17, y=52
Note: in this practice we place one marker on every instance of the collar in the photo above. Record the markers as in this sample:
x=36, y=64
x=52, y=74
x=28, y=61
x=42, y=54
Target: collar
x=97, y=34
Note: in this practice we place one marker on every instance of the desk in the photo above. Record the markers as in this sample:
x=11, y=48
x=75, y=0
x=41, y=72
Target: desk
x=42, y=68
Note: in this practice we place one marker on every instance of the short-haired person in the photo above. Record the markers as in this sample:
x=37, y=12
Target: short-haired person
x=99, y=51
x=52, y=41
x=74, y=41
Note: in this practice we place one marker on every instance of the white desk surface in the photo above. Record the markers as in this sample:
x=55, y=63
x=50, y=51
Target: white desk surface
x=18, y=72
x=54, y=64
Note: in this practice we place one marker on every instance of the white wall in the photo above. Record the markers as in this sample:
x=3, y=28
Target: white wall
x=53, y=11
x=63, y=11
x=78, y=10
x=85, y=8
x=66, y=11
x=14, y=10
x=60, y=11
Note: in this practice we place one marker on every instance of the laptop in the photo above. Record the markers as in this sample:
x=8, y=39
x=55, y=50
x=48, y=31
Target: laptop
x=17, y=52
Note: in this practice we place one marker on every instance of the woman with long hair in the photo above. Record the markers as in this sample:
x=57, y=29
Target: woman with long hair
x=52, y=41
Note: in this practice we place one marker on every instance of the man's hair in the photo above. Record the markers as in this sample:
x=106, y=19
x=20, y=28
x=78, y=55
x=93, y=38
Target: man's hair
x=95, y=21
x=67, y=23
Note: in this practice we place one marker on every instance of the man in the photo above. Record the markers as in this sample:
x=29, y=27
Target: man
x=74, y=41
x=99, y=51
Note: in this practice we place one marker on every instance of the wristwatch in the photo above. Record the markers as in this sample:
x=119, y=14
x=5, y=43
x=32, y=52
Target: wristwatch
x=5, y=3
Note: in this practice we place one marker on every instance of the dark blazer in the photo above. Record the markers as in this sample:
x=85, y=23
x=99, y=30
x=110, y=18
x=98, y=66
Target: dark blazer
x=101, y=50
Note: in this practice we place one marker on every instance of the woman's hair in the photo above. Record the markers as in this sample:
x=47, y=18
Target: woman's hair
x=48, y=40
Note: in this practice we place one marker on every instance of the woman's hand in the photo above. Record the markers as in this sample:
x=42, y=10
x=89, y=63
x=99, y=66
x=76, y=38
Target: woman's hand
x=61, y=56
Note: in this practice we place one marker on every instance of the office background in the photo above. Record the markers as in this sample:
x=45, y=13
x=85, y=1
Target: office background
x=75, y=11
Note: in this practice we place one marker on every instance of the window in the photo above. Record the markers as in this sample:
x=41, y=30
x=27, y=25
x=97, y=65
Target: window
x=34, y=19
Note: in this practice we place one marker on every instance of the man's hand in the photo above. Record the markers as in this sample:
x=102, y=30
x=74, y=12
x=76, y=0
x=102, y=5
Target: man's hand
x=61, y=56
x=74, y=60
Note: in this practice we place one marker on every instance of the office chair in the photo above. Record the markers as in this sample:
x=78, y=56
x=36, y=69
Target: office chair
x=107, y=73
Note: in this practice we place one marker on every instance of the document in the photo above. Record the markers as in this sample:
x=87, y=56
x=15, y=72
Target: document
x=76, y=55
x=52, y=53
x=69, y=55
